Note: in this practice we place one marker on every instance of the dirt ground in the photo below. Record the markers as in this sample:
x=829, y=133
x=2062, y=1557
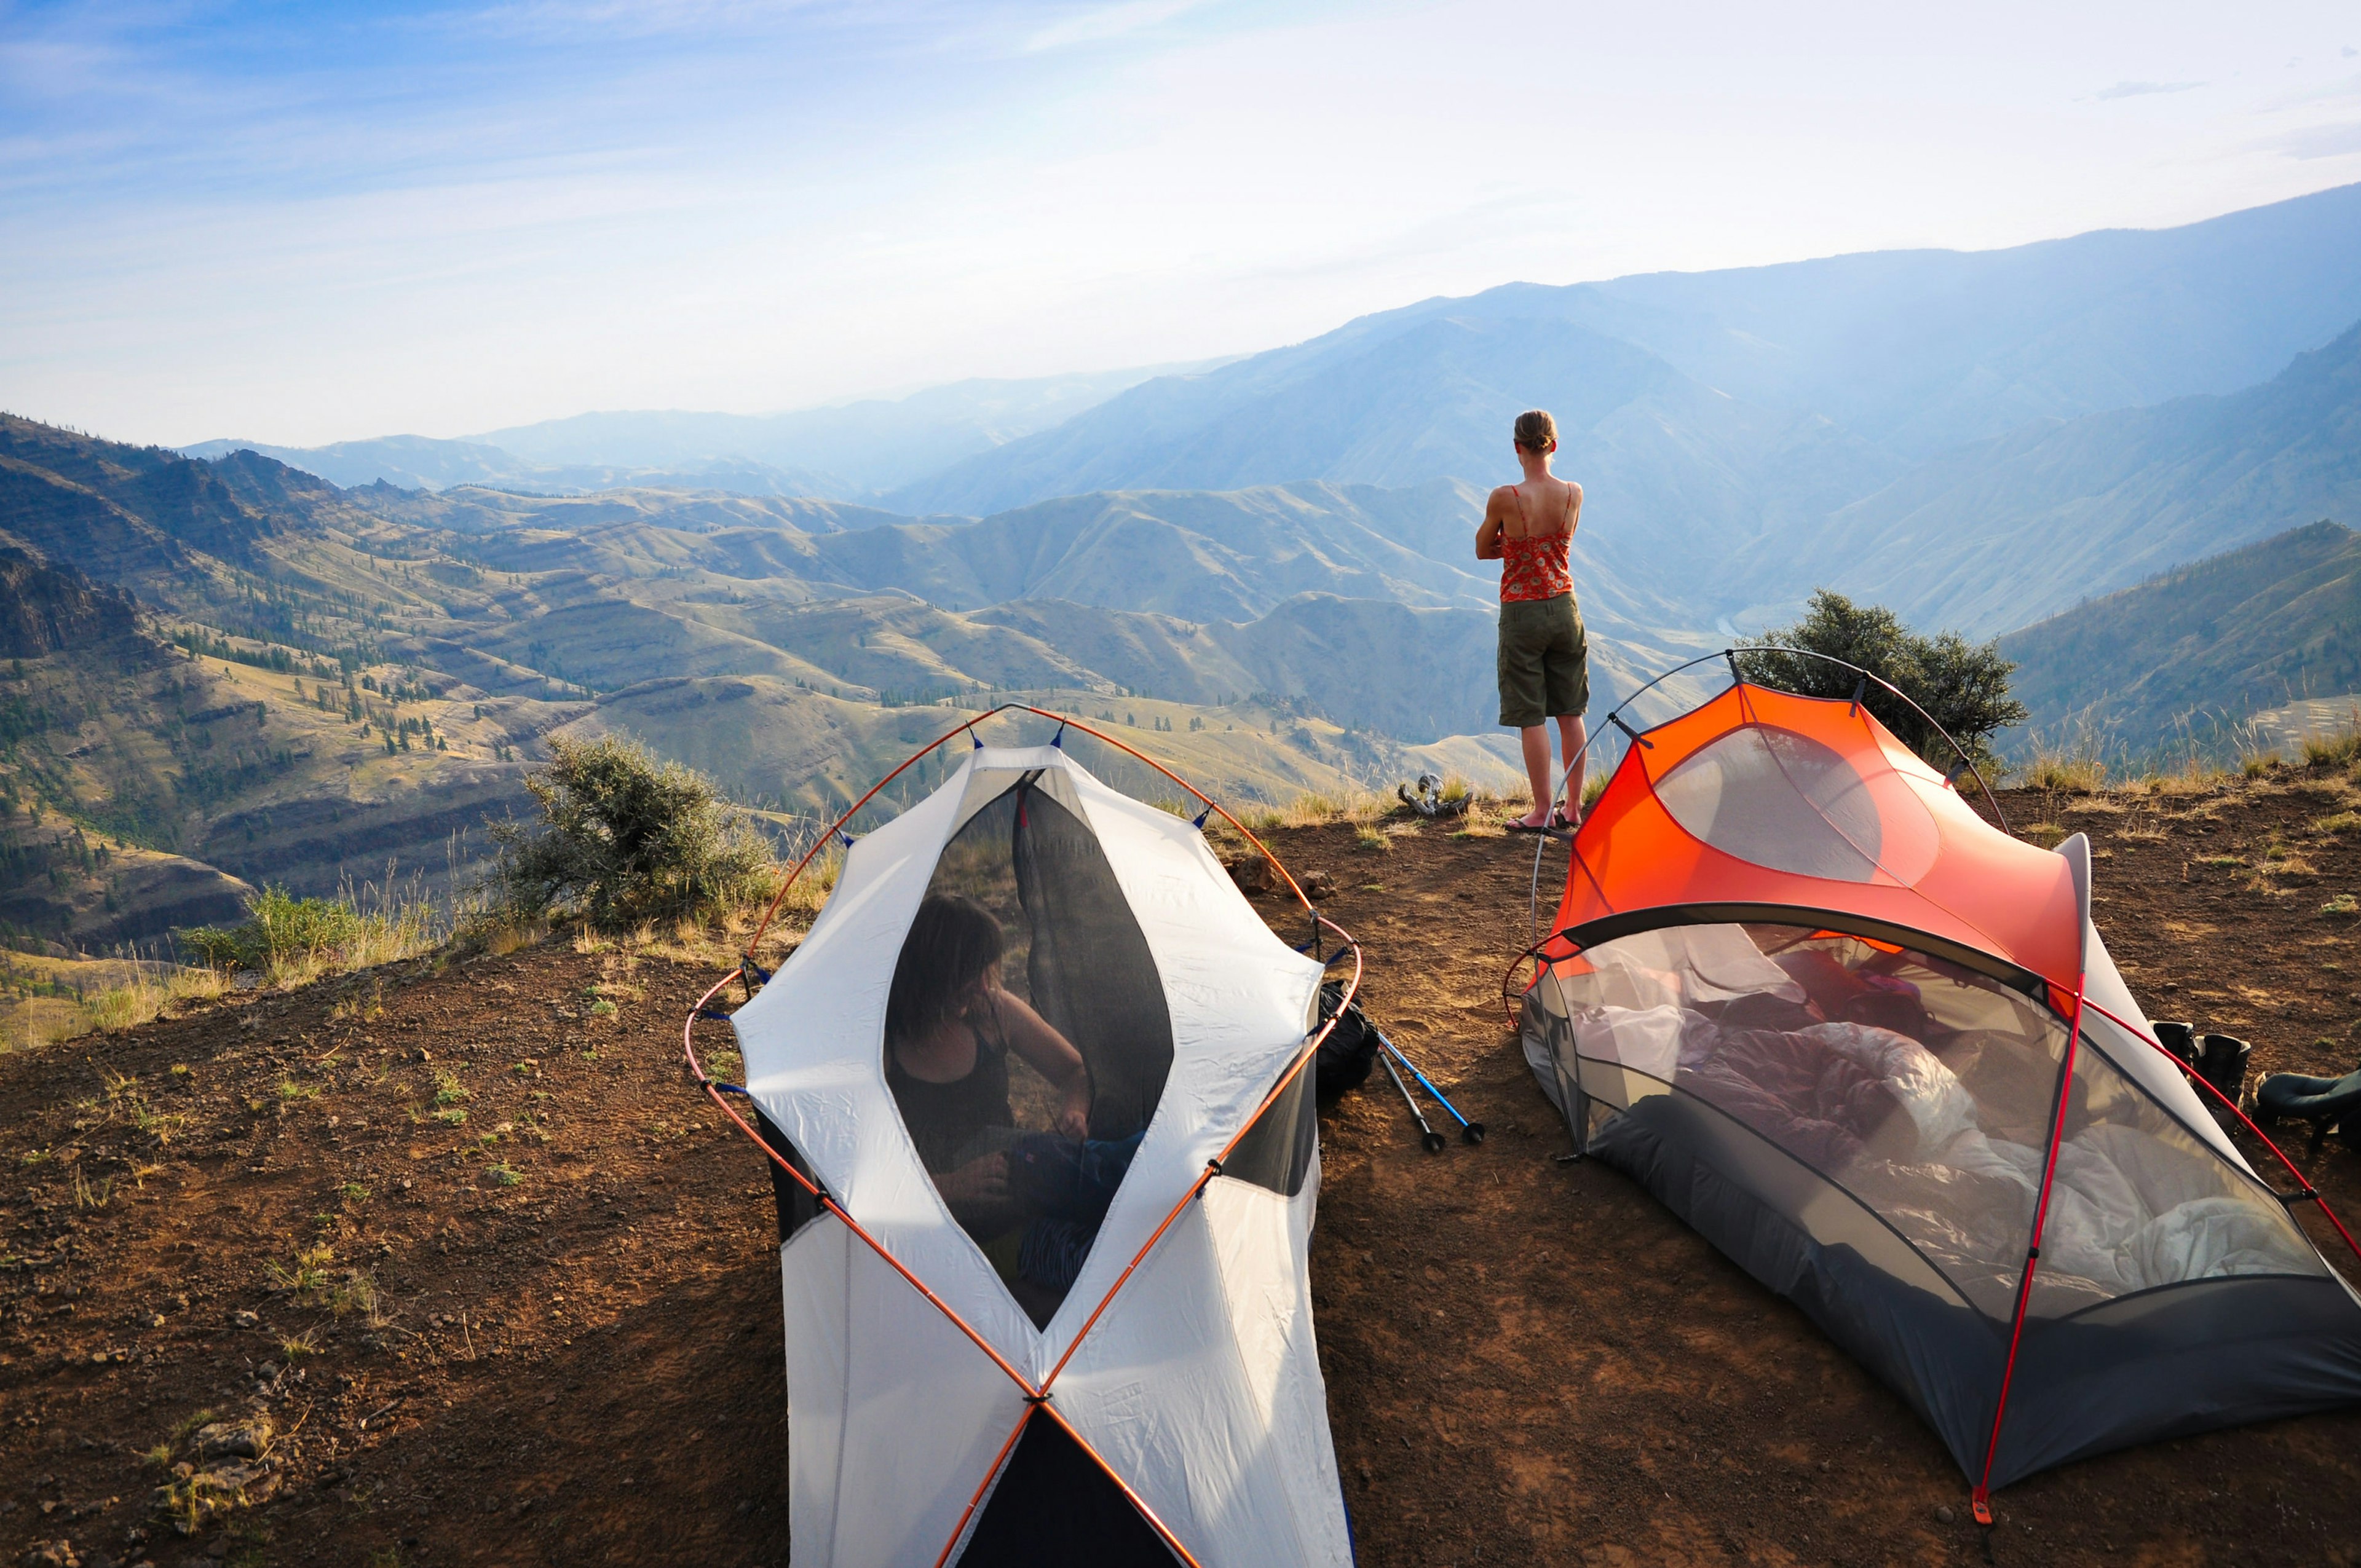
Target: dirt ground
x=506, y=1291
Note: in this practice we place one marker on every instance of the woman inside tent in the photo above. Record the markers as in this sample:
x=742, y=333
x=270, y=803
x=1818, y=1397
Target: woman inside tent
x=1032, y=1200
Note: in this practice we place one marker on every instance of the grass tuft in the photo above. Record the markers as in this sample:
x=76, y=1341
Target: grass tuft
x=2338, y=747
x=89, y=1194
x=309, y=1272
x=2064, y=773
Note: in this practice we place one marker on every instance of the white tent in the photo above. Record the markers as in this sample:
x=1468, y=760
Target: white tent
x=1194, y=1382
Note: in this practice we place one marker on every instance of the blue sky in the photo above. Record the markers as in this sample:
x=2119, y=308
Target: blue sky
x=305, y=223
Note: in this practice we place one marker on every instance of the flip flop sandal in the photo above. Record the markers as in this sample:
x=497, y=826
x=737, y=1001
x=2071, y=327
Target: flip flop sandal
x=1519, y=825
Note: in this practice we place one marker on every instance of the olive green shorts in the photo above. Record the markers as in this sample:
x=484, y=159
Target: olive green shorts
x=1544, y=661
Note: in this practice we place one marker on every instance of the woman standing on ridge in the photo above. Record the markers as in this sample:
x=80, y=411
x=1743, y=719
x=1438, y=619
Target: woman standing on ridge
x=1544, y=661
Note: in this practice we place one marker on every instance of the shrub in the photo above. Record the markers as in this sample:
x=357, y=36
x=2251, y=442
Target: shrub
x=1962, y=685
x=623, y=840
x=279, y=928
x=2337, y=749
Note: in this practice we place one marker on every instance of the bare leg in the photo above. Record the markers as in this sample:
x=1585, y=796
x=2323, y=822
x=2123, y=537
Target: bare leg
x=1537, y=768
x=1573, y=735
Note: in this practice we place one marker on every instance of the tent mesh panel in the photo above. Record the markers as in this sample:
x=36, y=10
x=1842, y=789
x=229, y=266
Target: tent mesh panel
x=1926, y=1093
x=1067, y=1034
x=1774, y=798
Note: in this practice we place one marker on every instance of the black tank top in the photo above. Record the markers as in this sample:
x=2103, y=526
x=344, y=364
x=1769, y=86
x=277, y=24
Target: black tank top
x=944, y=1118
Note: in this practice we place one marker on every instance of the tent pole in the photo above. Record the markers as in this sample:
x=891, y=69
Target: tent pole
x=772, y=909
x=1979, y=1501
x=828, y=1200
x=990, y=1474
x=1035, y=1399
x=1154, y=1523
x=1214, y=1167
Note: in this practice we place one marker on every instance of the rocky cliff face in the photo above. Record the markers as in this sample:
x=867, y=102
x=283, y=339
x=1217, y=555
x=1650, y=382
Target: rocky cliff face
x=76, y=499
x=44, y=608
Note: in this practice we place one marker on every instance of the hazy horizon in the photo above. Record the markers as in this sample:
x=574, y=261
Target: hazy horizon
x=302, y=228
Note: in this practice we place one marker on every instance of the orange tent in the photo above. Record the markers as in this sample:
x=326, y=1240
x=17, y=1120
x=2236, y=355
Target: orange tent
x=1873, y=1048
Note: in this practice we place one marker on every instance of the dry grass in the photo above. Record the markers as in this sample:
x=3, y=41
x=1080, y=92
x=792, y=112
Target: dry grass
x=1315, y=810
x=155, y=992
x=809, y=891
x=2194, y=775
x=2338, y=747
x=117, y=995
x=2064, y=773
x=1362, y=808
x=2280, y=859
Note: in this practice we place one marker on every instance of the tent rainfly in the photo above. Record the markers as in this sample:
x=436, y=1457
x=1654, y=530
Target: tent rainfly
x=1874, y=1050
x=1045, y=1311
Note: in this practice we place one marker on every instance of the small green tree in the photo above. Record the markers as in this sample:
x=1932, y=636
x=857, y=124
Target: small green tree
x=623, y=839
x=1962, y=685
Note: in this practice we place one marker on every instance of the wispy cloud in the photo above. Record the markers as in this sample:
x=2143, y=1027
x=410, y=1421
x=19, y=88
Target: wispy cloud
x=2144, y=89
x=1107, y=22
x=317, y=222
x=2319, y=141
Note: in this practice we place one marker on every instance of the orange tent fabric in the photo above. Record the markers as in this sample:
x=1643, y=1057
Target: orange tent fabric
x=1762, y=798
x=1886, y=1158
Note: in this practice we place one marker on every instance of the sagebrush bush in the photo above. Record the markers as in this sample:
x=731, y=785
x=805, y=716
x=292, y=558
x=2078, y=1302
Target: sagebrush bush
x=278, y=927
x=623, y=840
x=1962, y=685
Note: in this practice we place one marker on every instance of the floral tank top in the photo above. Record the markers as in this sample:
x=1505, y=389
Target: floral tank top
x=1534, y=568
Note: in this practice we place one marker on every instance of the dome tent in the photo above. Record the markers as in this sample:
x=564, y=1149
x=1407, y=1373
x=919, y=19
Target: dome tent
x=1875, y=1050
x=1153, y=1396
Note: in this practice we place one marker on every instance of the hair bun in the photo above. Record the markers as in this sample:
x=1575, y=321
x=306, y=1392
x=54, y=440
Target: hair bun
x=1536, y=430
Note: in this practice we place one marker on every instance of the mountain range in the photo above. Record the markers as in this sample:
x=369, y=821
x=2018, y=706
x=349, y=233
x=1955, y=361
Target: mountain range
x=847, y=450
x=1265, y=563
x=2187, y=655
x=302, y=683
x=1912, y=351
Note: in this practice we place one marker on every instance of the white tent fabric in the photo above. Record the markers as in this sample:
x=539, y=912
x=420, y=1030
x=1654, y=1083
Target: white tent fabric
x=1199, y=1385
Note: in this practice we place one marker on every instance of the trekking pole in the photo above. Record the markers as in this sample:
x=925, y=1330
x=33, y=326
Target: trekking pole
x=1428, y=1139
x=1471, y=1131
